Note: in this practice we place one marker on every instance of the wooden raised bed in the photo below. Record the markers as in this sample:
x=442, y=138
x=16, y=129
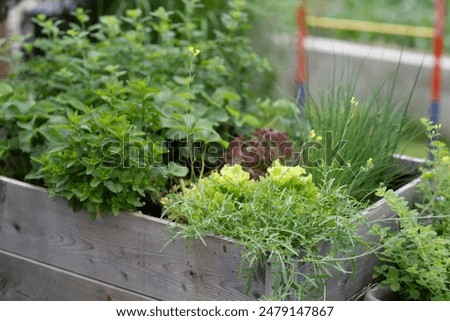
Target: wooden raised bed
x=48, y=252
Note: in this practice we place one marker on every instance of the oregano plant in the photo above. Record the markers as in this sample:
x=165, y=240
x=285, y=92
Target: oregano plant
x=417, y=257
x=101, y=163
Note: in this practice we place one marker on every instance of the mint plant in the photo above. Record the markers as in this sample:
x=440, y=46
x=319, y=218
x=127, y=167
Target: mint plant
x=160, y=81
x=154, y=46
x=22, y=128
x=109, y=157
x=81, y=164
x=283, y=219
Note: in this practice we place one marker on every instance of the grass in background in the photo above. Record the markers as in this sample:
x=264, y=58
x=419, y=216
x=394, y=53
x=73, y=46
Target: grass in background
x=418, y=146
x=414, y=148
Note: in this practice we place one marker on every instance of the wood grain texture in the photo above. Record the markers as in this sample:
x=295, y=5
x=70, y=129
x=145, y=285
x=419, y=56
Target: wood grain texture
x=343, y=286
x=24, y=280
x=124, y=251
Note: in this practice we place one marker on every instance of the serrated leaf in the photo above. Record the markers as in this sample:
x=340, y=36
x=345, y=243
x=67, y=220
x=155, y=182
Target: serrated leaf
x=44, y=106
x=186, y=96
x=176, y=134
x=95, y=182
x=115, y=209
x=183, y=81
x=134, y=201
x=25, y=139
x=395, y=286
x=27, y=126
x=72, y=101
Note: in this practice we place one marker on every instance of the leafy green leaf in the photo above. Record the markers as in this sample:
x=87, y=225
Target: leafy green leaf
x=174, y=169
x=5, y=90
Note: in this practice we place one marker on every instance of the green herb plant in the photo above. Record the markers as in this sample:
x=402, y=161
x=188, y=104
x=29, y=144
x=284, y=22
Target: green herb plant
x=93, y=166
x=283, y=219
x=136, y=46
x=22, y=128
x=354, y=134
x=138, y=90
x=417, y=257
x=434, y=188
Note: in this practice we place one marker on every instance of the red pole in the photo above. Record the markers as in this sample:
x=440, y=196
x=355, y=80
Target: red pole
x=302, y=33
x=438, y=47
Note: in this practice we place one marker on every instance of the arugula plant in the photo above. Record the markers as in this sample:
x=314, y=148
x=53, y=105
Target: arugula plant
x=283, y=219
x=417, y=256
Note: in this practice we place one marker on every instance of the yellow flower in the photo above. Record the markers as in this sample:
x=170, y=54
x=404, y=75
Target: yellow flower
x=354, y=102
x=368, y=166
x=313, y=136
x=193, y=51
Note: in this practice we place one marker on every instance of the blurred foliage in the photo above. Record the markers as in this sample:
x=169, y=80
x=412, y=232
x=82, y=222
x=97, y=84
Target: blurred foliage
x=410, y=12
x=279, y=16
x=209, y=12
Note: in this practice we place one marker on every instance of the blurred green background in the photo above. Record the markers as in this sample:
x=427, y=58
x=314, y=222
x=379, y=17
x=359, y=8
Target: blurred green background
x=407, y=12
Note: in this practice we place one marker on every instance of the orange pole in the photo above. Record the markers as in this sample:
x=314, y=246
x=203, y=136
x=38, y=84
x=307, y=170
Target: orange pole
x=438, y=47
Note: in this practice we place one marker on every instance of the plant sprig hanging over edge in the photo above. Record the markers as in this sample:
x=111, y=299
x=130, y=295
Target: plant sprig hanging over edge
x=417, y=257
x=283, y=220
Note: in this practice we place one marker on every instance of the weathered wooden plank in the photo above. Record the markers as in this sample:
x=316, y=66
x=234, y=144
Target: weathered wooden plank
x=124, y=251
x=343, y=286
x=24, y=279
